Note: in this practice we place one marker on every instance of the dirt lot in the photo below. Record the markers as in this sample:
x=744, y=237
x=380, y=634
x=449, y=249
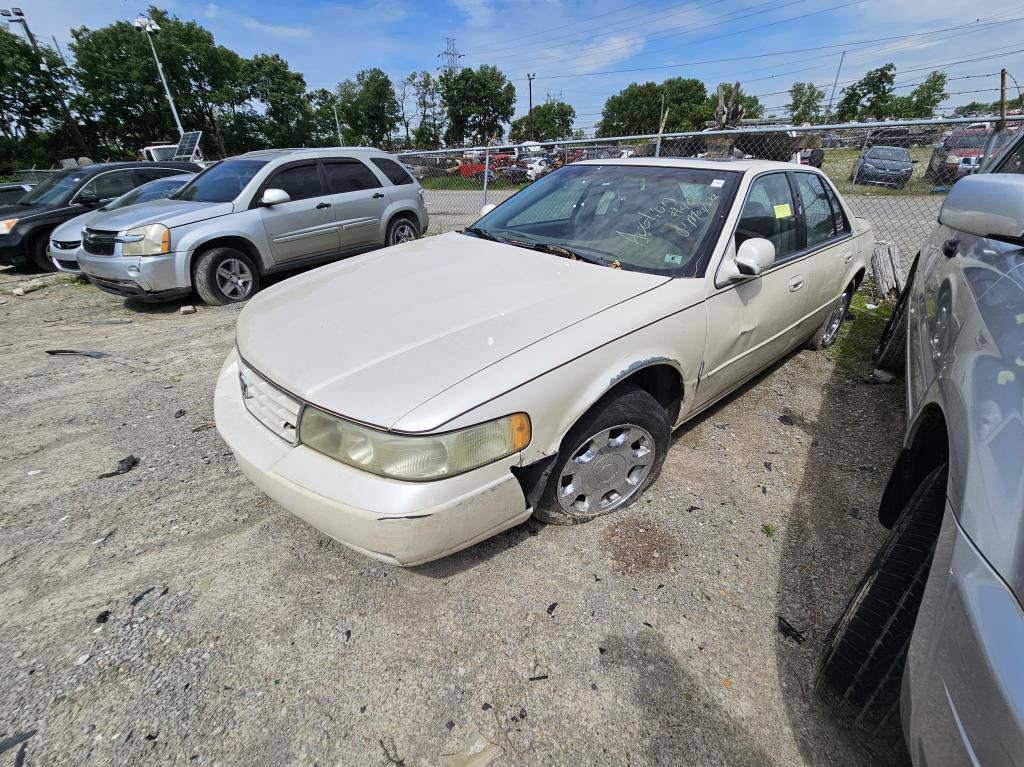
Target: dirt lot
x=174, y=614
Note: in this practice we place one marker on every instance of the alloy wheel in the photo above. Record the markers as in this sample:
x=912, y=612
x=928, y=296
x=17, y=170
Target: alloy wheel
x=835, y=320
x=403, y=232
x=234, y=279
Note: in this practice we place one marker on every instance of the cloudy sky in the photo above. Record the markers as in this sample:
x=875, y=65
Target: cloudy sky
x=579, y=48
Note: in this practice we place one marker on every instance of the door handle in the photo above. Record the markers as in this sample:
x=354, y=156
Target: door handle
x=378, y=195
x=795, y=284
x=322, y=205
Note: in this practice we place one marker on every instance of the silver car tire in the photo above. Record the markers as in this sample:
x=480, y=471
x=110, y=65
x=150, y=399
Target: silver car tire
x=225, y=276
x=401, y=229
x=608, y=459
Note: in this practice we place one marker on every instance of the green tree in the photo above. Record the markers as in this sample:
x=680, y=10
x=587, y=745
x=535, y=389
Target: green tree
x=924, y=100
x=637, y=108
x=478, y=104
x=369, y=106
x=287, y=118
x=805, y=101
x=869, y=98
x=550, y=121
x=430, y=111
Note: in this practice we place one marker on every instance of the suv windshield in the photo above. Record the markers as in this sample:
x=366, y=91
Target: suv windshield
x=888, y=153
x=154, y=190
x=651, y=219
x=54, y=189
x=222, y=182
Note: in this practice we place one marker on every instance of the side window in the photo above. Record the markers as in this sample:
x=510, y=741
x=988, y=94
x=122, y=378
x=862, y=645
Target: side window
x=839, y=223
x=145, y=175
x=300, y=181
x=1014, y=160
x=107, y=186
x=395, y=173
x=349, y=176
x=770, y=212
x=817, y=209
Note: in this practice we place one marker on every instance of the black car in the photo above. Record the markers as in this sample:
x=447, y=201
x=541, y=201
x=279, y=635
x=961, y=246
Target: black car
x=885, y=165
x=13, y=192
x=25, y=226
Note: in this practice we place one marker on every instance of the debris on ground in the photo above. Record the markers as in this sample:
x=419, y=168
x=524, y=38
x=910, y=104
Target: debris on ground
x=34, y=472
x=107, y=322
x=786, y=420
x=125, y=465
x=204, y=426
x=179, y=413
x=62, y=352
x=105, y=538
x=189, y=309
x=789, y=630
x=28, y=287
x=103, y=617
x=141, y=595
x=552, y=607
x=476, y=751
x=391, y=754
x=538, y=678
x=879, y=376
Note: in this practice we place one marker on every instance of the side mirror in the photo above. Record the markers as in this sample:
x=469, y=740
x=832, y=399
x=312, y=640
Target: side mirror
x=274, y=197
x=88, y=200
x=752, y=257
x=986, y=205
x=487, y=209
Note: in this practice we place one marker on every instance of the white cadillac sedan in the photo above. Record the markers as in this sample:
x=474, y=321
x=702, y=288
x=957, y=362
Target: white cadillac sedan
x=412, y=401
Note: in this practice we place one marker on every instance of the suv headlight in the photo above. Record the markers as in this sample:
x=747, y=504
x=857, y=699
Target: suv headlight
x=7, y=225
x=414, y=458
x=152, y=240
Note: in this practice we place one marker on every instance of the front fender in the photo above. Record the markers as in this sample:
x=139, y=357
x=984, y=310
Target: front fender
x=198, y=238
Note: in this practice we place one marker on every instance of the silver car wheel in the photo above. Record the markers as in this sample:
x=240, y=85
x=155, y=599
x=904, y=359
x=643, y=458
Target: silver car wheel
x=835, y=320
x=234, y=279
x=606, y=470
x=403, y=231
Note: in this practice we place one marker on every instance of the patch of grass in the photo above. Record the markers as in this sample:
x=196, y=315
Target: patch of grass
x=443, y=183
x=859, y=335
x=769, y=530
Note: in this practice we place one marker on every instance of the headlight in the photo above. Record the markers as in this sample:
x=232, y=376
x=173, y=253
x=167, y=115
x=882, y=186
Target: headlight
x=149, y=240
x=7, y=225
x=953, y=159
x=414, y=458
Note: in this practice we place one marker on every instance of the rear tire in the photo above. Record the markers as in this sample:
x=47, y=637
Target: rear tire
x=620, y=442
x=828, y=332
x=861, y=668
x=226, y=276
x=401, y=229
x=37, y=251
x=891, y=352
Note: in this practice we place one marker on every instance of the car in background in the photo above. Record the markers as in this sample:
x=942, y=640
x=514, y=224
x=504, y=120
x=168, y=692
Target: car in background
x=11, y=193
x=536, y=167
x=251, y=216
x=901, y=136
x=884, y=165
x=536, y=362
x=66, y=239
x=959, y=154
x=25, y=226
x=933, y=636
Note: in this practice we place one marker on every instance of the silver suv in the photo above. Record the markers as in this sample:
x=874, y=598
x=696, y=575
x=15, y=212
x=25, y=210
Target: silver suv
x=250, y=216
x=933, y=638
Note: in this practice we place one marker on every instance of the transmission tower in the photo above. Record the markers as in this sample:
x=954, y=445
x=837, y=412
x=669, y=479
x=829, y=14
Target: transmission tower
x=450, y=56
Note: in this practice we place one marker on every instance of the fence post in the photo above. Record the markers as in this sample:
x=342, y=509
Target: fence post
x=487, y=168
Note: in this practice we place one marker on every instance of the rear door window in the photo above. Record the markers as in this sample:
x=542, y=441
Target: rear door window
x=818, y=221
x=349, y=175
x=107, y=186
x=395, y=173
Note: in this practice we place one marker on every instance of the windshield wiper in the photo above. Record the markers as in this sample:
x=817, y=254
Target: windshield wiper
x=558, y=250
x=483, y=234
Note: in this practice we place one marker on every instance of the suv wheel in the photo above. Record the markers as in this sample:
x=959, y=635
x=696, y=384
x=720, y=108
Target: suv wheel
x=607, y=459
x=226, y=276
x=861, y=668
x=401, y=230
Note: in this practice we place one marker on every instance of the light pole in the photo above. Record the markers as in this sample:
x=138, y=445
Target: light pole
x=150, y=27
x=529, y=113
x=17, y=16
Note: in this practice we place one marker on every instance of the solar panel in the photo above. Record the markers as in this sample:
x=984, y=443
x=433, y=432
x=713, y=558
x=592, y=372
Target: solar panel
x=187, y=145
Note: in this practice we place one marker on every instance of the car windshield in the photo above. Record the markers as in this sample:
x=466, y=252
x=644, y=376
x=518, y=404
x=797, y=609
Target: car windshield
x=888, y=153
x=54, y=189
x=967, y=142
x=635, y=217
x=154, y=190
x=221, y=182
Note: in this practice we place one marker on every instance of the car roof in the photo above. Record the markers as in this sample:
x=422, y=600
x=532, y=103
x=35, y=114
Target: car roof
x=298, y=153
x=96, y=167
x=740, y=166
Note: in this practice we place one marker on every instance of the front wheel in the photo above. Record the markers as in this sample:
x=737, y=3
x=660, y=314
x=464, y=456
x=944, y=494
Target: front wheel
x=827, y=334
x=226, y=276
x=40, y=258
x=607, y=460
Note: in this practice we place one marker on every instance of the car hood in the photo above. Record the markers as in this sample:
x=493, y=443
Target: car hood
x=26, y=211
x=72, y=228
x=373, y=337
x=170, y=213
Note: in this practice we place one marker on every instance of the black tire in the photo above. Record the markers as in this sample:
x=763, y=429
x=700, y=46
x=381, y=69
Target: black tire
x=828, y=331
x=890, y=354
x=37, y=252
x=626, y=405
x=401, y=229
x=209, y=285
x=861, y=667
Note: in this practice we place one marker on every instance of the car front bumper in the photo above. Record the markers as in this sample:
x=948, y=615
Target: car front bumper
x=883, y=179
x=12, y=248
x=402, y=523
x=65, y=260
x=151, y=278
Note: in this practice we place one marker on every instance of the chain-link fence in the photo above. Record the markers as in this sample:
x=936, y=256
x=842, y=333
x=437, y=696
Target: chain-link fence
x=894, y=174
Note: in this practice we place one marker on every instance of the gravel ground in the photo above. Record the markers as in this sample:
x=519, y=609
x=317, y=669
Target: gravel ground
x=174, y=614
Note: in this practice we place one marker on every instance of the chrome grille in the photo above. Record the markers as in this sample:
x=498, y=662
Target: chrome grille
x=99, y=243
x=269, y=405
x=65, y=244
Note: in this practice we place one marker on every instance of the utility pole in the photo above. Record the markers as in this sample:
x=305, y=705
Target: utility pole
x=17, y=16
x=450, y=57
x=150, y=27
x=828, y=112
x=337, y=126
x=1002, y=100
x=529, y=114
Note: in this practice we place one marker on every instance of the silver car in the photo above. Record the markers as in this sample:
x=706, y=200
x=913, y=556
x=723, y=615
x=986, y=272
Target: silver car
x=934, y=635
x=250, y=216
